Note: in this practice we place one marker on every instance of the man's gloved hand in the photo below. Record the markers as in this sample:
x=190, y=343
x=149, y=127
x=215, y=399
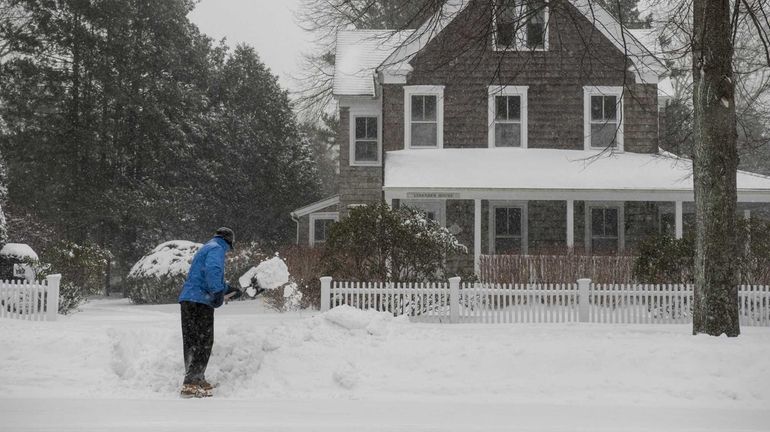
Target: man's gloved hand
x=218, y=300
x=232, y=293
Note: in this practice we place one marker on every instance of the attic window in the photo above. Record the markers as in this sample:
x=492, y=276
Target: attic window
x=521, y=24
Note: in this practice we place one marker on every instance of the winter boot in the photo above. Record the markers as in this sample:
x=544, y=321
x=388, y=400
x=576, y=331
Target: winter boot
x=194, y=391
x=205, y=385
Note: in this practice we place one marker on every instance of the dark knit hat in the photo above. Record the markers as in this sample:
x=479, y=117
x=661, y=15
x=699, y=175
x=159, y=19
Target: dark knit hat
x=226, y=234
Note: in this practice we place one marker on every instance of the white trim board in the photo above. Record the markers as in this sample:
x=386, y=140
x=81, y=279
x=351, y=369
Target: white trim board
x=314, y=207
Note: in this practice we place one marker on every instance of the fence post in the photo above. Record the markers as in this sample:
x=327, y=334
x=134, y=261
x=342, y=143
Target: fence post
x=52, y=299
x=326, y=293
x=454, y=299
x=583, y=297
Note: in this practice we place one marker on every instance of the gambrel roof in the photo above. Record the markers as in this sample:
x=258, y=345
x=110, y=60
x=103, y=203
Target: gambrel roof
x=363, y=53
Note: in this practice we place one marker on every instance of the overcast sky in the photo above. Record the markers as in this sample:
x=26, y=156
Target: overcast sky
x=267, y=25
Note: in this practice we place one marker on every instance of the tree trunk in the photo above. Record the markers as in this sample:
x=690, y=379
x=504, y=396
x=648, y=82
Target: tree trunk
x=715, y=308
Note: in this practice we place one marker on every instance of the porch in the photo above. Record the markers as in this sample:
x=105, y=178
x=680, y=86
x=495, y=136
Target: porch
x=530, y=201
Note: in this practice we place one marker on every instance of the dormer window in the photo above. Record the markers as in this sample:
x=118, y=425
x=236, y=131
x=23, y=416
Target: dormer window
x=521, y=25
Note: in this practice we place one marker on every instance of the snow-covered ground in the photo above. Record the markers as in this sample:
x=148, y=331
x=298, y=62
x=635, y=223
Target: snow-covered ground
x=118, y=367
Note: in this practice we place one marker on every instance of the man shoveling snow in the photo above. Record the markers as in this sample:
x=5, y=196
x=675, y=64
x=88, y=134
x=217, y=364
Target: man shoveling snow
x=203, y=291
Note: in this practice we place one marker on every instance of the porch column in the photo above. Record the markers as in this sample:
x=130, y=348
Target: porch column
x=477, y=236
x=678, y=217
x=570, y=224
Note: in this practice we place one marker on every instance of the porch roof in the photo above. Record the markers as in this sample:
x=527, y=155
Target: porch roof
x=548, y=170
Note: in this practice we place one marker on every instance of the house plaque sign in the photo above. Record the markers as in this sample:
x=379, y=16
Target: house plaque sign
x=433, y=195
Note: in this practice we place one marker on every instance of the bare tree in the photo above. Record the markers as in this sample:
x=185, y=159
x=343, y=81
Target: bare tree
x=324, y=18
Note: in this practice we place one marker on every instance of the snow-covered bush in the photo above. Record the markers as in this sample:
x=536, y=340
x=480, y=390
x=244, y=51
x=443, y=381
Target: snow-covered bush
x=83, y=270
x=377, y=243
x=158, y=277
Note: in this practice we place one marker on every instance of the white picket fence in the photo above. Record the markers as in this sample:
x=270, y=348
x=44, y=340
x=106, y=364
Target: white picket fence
x=33, y=301
x=458, y=302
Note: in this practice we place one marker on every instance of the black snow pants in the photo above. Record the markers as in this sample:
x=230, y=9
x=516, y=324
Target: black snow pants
x=197, y=339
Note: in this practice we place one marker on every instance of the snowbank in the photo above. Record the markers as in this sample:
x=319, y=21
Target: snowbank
x=113, y=351
x=18, y=250
x=269, y=274
x=168, y=259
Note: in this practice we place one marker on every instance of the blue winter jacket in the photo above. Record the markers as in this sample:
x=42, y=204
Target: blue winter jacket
x=206, y=279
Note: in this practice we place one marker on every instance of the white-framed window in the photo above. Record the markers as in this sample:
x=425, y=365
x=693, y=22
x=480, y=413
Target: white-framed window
x=433, y=209
x=508, y=228
x=319, y=227
x=365, y=139
x=508, y=116
x=605, y=228
x=423, y=117
x=603, y=116
x=520, y=25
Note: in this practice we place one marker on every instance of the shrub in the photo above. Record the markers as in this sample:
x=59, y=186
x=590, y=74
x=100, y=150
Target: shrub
x=158, y=277
x=303, y=264
x=83, y=270
x=754, y=243
x=663, y=259
x=377, y=243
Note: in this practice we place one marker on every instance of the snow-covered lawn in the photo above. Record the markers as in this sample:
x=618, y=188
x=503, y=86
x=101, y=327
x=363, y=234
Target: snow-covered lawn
x=117, y=367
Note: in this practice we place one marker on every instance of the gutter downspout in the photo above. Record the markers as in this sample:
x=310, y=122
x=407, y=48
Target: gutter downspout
x=296, y=221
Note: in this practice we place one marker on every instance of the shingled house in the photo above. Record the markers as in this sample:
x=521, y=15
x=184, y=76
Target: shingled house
x=523, y=127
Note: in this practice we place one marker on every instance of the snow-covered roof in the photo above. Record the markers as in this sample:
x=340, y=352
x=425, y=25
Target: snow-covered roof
x=316, y=206
x=650, y=39
x=546, y=169
x=18, y=250
x=359, y=52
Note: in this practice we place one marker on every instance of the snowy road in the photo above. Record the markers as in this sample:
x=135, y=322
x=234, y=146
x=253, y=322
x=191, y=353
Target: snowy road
x=117, y=367
x=63, y=415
